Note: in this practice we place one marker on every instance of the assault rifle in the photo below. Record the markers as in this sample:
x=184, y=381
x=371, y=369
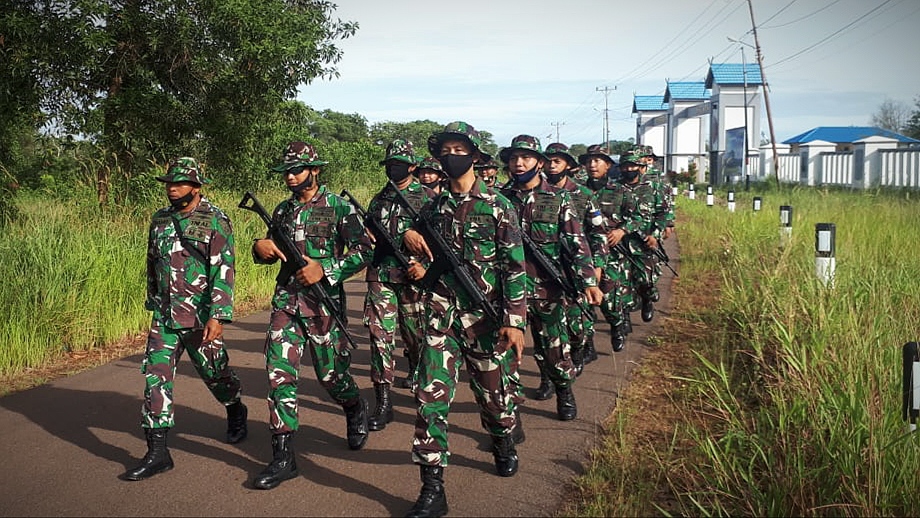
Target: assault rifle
x=384, y=244
x=281, y=235
x=445, y=259
x=657, y=252
x=548, y=266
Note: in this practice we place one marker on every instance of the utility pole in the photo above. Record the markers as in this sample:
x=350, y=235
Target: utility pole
x=744, y=163
x=606, y=91
x=557, y=124
x=766, y=90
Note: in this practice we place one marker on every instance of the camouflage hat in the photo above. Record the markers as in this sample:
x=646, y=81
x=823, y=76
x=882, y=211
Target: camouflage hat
x=558, y=148
x=183, y=169
x=401, y=150
x=648, y=151
x=632, y=157
x=525, y=142
x=595, y=150
x=430, y=163
x=457, y=129
x=490, y=164
x=298, y=154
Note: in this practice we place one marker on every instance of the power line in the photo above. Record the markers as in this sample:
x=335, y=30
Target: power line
x=797, y=20
x=777, y=13
x=831, y=35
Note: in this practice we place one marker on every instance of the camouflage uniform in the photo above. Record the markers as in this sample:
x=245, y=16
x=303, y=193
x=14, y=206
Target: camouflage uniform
x=190, y=275
x=392, y=299
x=323, y=229
x=663, y=216
x=547, y=215
x=483, y=230
x=488, y=172
x=643, y=208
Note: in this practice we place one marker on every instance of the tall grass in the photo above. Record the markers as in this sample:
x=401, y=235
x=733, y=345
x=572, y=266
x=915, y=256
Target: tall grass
x=800, y=383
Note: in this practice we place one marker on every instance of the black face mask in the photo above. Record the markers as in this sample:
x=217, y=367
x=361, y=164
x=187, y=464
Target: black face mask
x=456, y=166
x=555, y=178
x=596, y=184
x=306, y=184
x=628, y=176
x=181, y=203
x=397, y=172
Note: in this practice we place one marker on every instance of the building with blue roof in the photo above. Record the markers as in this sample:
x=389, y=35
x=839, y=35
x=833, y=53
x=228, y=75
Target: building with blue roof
x=651, y=121
x=735, y=104
x=845, y=136
x=687, y=125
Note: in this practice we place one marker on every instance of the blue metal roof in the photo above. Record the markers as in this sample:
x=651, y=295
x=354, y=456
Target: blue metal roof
x=686, y=91
x=846, y=134
x=733, y=74
x=649, y=103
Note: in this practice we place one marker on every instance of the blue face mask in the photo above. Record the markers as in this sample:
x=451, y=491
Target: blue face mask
x=526, y=176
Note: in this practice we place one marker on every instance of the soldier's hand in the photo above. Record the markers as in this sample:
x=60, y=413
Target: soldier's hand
x=597, y=273
x=511, y=338
x=651, y=242
x=266, y=249
x=370, y=235
x=614, y=236
x=311, y=273
x=416, y=244
x=594, y=295
x=416, y=271
x=213, y=329
x=668, y=232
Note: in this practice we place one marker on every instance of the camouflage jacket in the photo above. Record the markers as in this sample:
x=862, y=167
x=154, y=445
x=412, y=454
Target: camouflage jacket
x=483, y=229
x=547, y=215
x=592, y=222
x=397, y=220
x=323, y=229
x=641, y=203
x=190, y=266
x=664, y=212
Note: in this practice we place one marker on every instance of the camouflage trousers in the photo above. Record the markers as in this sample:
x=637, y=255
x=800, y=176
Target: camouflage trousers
x=642, y=280
x=387, y=307
x=164, y=348
x=579, y=317
x=617, y=289
x=454, y=335
x=284, y=346
x=551, y=347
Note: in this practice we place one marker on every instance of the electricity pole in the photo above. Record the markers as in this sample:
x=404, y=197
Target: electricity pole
x=557, y=124
x=606, y=91
x=766, y=90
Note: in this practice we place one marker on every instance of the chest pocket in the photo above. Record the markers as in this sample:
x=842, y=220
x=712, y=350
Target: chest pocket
x=609, y=203
x=416, y=200
x=198, y=229
x=479, y=238
x=321, y=223
x=546, y=208
x=579, y=203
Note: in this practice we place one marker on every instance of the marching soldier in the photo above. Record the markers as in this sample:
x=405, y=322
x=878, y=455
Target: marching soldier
x=614, y=283
x=579, y=316
x=481, y=228
x=190, y=276
x=392, y=300
x=547, y=216
x=322, y=226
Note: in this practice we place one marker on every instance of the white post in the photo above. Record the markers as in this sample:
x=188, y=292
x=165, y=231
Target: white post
x=785, y=225
x=758, y=202
x=692, y=193
x=731, y=201
x=710, y=199
x=825, y=252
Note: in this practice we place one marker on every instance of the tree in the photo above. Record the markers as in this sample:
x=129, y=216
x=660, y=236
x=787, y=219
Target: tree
x=891, y=115
x=418, y=131
x=146, y=79
x=912, y=127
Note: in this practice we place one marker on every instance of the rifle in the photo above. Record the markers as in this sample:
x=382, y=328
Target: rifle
x=657, y=252
x=549, y=267
x=384, y=244
x=281, y=235
x=445, y=259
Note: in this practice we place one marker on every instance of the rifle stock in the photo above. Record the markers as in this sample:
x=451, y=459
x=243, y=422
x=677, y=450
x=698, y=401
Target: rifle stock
x=384, y=244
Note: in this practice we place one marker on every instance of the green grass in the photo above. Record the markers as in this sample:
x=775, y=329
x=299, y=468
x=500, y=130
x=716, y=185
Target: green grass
x=794, y=406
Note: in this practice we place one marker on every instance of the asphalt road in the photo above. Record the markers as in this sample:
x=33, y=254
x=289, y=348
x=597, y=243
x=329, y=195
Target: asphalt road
x=65, y=444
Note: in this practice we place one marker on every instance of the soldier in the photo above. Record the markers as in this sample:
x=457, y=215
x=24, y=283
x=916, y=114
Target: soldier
x=548, y=217
x=488, y=172
x=482, y=229
x=647, y=226
x=614, y=279
x=579, y=316
x=430, y=174
x=190, y=275
x=323, y=226
x=392, y=300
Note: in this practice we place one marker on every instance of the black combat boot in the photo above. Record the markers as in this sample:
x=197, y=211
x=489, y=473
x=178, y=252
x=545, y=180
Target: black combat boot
x=410, y=374
x=618, y=337
x=517, y=434
x=590, y=352
x=648, y=306
x=383, y=412
x=578, y=359
x=283, y=465
x=356, y=423
x=626, y=324
x=545, y=390
x=506, y=459
x=565, y=404
x=157, y=459
x=236, y=422
x=432, y=501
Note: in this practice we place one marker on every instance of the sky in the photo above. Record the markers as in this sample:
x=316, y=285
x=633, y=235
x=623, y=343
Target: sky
x=540, y=67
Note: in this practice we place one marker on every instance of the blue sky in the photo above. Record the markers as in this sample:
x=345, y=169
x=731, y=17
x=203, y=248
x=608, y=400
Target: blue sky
x=520, y=67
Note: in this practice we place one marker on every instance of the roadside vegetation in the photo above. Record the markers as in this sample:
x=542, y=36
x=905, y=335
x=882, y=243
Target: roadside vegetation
x=768, y=393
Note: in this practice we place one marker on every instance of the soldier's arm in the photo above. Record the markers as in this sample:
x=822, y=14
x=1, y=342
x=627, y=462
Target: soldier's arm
x=513, y=274
x=594, y=233
x=572, y=232
x=358, y=247
x=222, y=271
x=151, y=270
x=265, y=251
